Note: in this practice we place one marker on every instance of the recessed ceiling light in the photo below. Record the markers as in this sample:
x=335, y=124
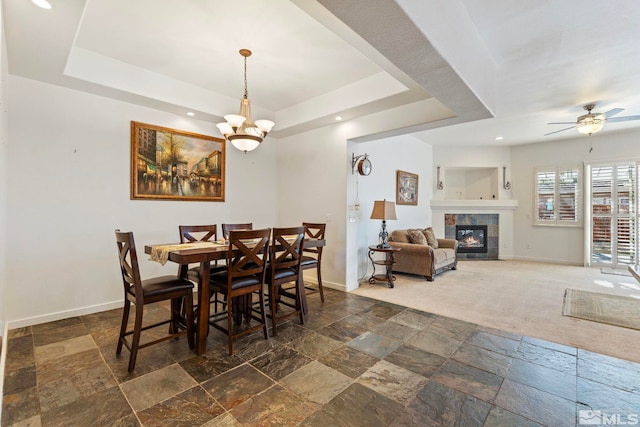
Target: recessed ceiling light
x=44, y=4
x=499, y=138
x=190, y=113
x=338, y=118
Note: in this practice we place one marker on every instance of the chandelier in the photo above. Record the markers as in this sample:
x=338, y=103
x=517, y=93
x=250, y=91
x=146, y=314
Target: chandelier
x=240, y=129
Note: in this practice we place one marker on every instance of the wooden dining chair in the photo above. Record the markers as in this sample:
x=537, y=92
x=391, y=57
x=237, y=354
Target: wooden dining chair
x=226, y=228
x=312, y=257
x=284, y=267
x=201, y=233
x=198, y=233
x=148, y=291
x=247, y=259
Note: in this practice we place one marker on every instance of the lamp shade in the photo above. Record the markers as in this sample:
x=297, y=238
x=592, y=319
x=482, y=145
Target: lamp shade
x=383, y=210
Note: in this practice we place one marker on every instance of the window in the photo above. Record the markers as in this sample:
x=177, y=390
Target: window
x=558, y=198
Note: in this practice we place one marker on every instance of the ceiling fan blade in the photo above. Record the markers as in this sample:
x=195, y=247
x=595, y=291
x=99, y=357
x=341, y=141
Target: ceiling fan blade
x=613, y=112
x=561, y=130
x=624, y=119
x=562, y=123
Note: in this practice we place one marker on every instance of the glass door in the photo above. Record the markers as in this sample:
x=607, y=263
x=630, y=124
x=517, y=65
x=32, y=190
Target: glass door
x=613, y=199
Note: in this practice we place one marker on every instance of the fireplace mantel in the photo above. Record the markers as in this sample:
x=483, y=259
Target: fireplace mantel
x=476, y=205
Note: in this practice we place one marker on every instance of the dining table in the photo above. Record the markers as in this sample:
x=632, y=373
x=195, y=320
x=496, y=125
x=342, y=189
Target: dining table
x=204, y=253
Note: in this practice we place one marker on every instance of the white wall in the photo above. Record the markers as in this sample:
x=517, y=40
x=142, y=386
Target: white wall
x=559, y=244
x=3, y=174
x=387, y=155
x=311, y=188
x=68, y=189
x=3, y=202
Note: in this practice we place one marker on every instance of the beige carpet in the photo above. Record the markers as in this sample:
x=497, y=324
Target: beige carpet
x=603, y=308
x=521, y=297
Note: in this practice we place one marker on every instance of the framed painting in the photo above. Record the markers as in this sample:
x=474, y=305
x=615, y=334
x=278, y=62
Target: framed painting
x=169, y=164
x=406, y=188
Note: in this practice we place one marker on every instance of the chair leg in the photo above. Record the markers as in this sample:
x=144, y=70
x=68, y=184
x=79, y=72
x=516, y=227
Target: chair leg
x=300, y=288
x=273, y=301
x=177, y=305
x=190, y=322
x=263, y=314
x=237, y=303
x=248, y=303
x=135, y=341
x=123, y=326
x=320, y=284
x=230, y=325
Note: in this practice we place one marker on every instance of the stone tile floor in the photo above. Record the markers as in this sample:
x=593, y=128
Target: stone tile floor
x=355, y=362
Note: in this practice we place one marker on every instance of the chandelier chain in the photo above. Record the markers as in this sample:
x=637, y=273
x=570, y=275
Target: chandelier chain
x=246, y=93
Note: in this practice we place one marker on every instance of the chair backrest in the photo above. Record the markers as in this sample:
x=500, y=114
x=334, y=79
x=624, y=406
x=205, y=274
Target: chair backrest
x=129, y=263
x=286, y=249
x=226, y=228
x=314, y=231
x=198, y=233
x=248, y=253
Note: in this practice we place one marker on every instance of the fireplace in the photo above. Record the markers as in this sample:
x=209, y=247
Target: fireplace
x=471, y=238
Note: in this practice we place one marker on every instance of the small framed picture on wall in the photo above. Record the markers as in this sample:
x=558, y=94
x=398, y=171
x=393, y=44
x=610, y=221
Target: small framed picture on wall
x=406, y=188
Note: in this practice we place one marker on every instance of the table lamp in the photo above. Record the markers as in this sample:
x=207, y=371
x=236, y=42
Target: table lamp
x=383, y=210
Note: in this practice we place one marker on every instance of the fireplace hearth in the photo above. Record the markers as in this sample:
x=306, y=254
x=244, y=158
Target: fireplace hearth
x=472, y=238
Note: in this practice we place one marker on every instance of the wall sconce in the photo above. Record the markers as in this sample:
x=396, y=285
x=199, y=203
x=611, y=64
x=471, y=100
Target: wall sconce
x=506, y=184
x=440, y=184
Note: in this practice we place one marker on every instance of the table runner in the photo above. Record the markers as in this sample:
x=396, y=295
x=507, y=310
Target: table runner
x=160, y=253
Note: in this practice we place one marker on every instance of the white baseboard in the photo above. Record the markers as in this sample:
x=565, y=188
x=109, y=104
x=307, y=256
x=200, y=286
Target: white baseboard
x=29, y=321
x=325, y=284
x=548, y=261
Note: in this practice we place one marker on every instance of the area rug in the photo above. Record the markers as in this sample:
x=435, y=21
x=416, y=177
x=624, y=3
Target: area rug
x=604, y=308
x=615, y=272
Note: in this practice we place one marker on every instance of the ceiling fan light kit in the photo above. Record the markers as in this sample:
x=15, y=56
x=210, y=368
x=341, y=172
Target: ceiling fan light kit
x=591, y=123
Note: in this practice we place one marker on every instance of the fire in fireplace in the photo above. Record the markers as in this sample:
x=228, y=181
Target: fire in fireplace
x=471, y=238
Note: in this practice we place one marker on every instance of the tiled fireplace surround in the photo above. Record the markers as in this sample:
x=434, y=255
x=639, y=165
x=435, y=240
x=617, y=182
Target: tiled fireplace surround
x=493, y=231
x=498, y=215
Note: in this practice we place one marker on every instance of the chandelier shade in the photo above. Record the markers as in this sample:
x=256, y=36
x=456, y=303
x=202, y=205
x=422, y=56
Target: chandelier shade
x=240, y=129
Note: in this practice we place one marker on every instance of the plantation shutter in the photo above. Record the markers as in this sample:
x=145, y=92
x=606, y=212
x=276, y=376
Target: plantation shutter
x=545, y=195
x=601, y=204
x=626, y=213
x=558, y=196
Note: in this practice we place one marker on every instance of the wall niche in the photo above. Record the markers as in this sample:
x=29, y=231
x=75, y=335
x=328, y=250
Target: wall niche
x=469, y=183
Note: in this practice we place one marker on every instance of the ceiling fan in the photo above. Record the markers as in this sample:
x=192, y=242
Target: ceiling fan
x=591, y=123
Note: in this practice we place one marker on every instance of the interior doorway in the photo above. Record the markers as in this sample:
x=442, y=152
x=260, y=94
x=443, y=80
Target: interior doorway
x=611, y=230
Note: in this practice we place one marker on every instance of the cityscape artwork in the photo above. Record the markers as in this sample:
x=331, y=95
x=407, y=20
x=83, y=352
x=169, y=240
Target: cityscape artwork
x=169, y=164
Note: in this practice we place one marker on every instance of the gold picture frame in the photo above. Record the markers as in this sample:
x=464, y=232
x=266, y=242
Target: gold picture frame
x=170, y=164
x=406, y=188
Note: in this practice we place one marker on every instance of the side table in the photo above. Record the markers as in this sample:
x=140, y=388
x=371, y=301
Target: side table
x=387, y=262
